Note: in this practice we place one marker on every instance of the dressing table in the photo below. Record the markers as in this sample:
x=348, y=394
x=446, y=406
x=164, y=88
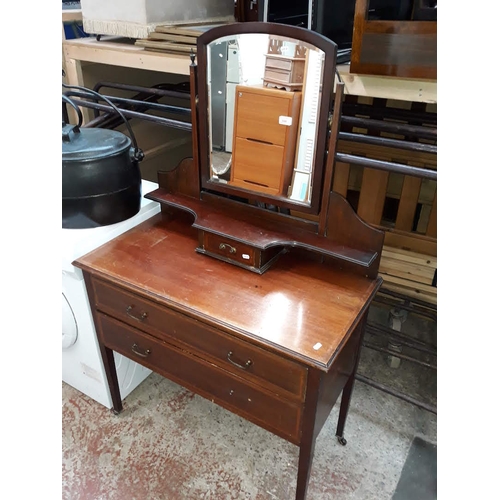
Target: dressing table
x=254, y=300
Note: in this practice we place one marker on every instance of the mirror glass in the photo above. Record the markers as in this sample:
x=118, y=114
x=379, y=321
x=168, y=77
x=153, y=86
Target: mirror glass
x=264, y=93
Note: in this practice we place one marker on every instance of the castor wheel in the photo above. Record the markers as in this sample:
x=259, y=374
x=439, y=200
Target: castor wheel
x=342, y=440
x=115, y=412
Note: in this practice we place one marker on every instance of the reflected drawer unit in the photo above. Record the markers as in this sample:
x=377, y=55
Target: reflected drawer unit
x=266, y=123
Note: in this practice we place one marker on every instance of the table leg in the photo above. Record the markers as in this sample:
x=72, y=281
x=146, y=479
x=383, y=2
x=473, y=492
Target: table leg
x=74, y=76
x=110, y=369
x=309, y=433
x=347, y=391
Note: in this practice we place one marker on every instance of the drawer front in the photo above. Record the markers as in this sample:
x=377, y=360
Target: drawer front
x=271, y=370
x=278, y=75
x=278, y=63
x=258, y=117
x=229, y=391
x=225, y=247
x=257, y=163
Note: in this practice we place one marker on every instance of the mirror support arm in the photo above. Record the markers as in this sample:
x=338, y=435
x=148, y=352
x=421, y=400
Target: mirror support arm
x=193, y=70
x=330, y=159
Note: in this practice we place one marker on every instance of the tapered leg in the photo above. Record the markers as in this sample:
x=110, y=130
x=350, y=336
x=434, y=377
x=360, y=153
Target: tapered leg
x=110, y=369
x=347, y=391
x=309, y=433
x=305, y=460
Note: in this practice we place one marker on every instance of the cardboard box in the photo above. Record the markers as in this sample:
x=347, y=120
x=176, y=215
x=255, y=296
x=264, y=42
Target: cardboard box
x=138, y=18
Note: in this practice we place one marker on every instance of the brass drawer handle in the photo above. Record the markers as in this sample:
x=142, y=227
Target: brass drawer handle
x=144, y=354
x=223, y=246
x=142, y=317
x=243, y=367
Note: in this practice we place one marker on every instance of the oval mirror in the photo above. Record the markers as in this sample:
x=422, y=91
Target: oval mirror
x=267, y=91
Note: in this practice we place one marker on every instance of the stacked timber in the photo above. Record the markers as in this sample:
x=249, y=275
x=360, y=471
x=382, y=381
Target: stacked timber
x=174, y=39
x=409, y=273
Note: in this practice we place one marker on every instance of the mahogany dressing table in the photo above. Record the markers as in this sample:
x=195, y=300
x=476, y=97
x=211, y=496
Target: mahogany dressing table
x=254, y=301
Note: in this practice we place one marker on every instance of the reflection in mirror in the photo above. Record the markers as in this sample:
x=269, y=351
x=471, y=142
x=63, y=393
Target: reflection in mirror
x=264, y=93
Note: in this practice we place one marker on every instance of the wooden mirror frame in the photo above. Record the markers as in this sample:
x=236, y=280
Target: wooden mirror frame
x=325, y=106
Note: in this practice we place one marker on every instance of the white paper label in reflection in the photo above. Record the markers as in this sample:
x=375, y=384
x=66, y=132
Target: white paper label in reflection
x=285, y=120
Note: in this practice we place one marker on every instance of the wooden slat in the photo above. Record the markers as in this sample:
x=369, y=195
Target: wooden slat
x=403, y=282
x=407, y=271
x=408, y=241
x=408, y=203
x=341, y=178
x=416, y=158
x=372, y=195
x=411, y=292
x=432, y=226
x=410, y=257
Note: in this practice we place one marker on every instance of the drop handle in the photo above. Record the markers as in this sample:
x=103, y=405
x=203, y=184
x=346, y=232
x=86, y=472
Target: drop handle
x=243, y=367
x=223, y=246
x=135, y=350
x=142, y=317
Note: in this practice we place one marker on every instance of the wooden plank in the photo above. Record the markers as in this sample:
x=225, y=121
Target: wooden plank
x=70, y=15
x=388, y=87
x=410, y=241
x=432, y=226
x=372, y=195
x=411, y=257
x=172, y=38
x=411, y=272
x=411, y=292
x=408, y=202
x=416, y=158
x=341, y=178
x=427, y=289
x=117, y=52
x=167, y=46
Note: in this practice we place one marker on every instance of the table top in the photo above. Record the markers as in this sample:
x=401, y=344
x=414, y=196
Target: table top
x=299, y=307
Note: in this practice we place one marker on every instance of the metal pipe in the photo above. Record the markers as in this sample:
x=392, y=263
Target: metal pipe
x=403, y=339
x=134, y=114
x=398, y=355
x=373, y=112
x=397, y=394
x=387, y=166
x=398, y=295
x=167, y=108
x=147, y=90
x=397, y=128
x=391, y=143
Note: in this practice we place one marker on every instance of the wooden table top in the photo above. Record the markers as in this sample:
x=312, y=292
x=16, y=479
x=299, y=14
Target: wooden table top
x=298, y=307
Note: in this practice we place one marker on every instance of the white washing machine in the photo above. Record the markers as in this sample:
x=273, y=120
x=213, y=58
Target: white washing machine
x=82, y=365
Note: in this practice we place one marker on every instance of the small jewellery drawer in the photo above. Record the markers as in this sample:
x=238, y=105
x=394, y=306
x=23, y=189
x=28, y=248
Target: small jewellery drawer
x=202, y=377
x=276, y=373
x=231, y=249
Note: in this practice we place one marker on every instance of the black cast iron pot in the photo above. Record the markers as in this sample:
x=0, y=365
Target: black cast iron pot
x=101, y=179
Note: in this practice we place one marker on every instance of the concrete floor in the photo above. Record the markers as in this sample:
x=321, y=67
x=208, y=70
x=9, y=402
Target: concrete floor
x=169, y=444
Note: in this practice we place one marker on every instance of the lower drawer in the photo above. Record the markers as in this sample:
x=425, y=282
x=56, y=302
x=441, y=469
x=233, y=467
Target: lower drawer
x=258, y=164
x=265, y=409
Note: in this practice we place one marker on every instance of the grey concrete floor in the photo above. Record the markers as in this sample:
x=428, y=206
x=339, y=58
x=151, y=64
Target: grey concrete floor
x=169, y=444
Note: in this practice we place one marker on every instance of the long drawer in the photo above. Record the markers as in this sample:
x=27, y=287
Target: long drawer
x=256, y=404
x=274, y=372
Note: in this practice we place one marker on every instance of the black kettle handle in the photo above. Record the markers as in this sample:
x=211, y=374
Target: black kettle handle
x=76, y=128
x=138, y=155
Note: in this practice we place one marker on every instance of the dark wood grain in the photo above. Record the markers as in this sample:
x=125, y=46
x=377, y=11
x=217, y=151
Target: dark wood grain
x=237, y=227
x=238, y=395
x=292, y=308
x=407, y=49
x=301, y=34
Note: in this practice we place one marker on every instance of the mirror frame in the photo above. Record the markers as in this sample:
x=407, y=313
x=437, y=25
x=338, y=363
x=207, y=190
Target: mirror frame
x=325, y=106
